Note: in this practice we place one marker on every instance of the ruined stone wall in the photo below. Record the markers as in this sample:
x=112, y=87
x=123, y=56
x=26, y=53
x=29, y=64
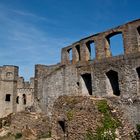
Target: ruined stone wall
x=41, y=71
x=8, y=89
x=81, y=52
x=105, y=75
x=61, y=81
x=80, y=118
x=25, y=94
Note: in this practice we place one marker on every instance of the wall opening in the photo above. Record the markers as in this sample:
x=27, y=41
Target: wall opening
x=138, y=72
x=138, y=80
x=86, y=83
x=62, y=126
x=78, y=84
x=78, y=52
x=24, y=99
x=115, y=42
x=8, y=97
x=70, y=54
x=138, y=29
x=113, y=84
x=91, y=50
x=17, y=100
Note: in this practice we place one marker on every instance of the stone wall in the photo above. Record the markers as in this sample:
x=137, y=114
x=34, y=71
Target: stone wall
x=81, y=50
x=80, y=118
x=105, y=75
x=16, y=94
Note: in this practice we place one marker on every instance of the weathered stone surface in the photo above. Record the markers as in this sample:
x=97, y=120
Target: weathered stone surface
x=82, y=116
x=36, y=124
x=103, y=76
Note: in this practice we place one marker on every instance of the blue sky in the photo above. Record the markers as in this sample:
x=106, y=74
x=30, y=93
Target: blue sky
x=34, y=31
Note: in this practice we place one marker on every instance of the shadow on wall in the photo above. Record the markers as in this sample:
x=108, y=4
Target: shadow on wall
x=86, y=83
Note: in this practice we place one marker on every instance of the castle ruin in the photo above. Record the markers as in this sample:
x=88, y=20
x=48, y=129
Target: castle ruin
x=77, y=74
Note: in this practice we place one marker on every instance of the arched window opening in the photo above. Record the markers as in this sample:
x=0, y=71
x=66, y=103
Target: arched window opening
x=70, y=54
x=24, y=99
x=17, y=100
x=91, y=50
x=78, y=52
x=138, y=29
x=113, y=83
x=115, y=42
x=138, y=72
x=86, y=83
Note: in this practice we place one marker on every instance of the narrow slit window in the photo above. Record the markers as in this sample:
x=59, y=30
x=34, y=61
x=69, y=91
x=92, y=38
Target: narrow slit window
x=17, y=100
x=8, y=97
x=24, y=99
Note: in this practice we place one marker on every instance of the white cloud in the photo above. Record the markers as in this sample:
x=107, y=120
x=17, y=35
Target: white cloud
x=25, y=44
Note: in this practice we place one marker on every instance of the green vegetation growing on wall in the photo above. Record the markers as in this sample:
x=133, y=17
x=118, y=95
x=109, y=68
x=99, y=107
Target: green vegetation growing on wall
x=70, y=114
x=106, y=131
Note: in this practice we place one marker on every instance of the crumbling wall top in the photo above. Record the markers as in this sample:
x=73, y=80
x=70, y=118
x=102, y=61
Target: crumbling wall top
x=25, y=84
x=81, y=51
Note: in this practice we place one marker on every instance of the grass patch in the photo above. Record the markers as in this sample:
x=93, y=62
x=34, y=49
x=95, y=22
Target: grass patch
x=103, y=106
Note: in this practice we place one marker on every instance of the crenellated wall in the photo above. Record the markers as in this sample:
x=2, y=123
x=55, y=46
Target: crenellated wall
x=25, y=93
